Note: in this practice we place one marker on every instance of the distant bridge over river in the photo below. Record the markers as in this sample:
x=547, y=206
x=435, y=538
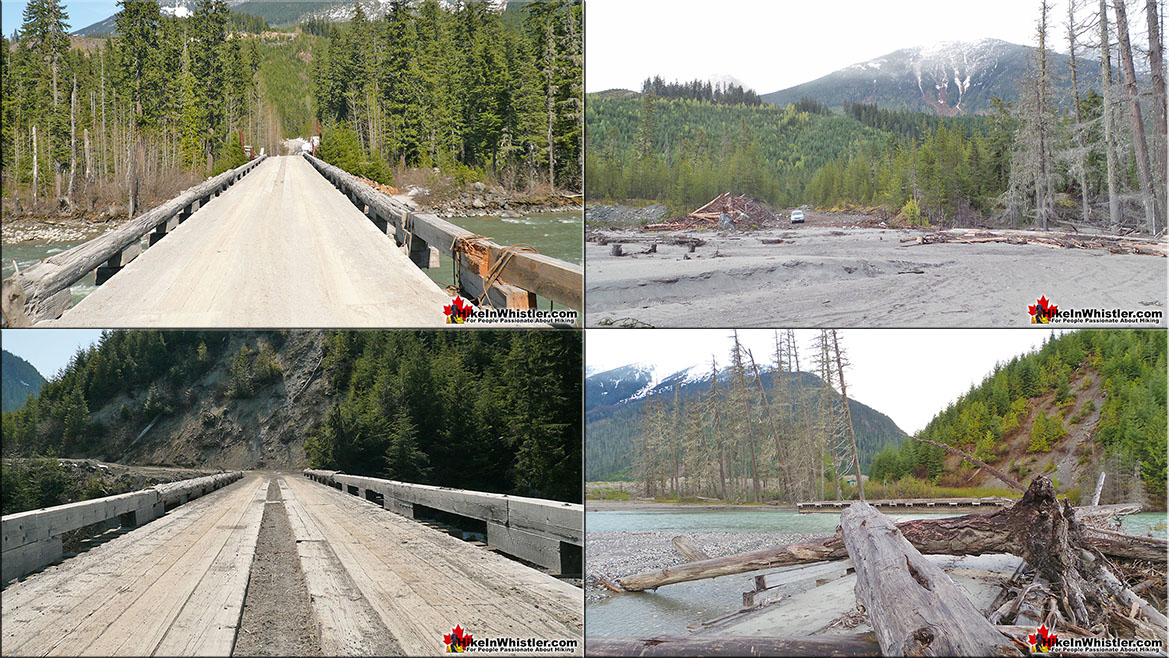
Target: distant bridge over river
x=284, y=241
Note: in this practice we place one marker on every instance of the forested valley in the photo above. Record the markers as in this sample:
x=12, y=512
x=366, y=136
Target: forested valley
x=1089, y=150
x=113, y=125
x=765, y=429
x=486, y=410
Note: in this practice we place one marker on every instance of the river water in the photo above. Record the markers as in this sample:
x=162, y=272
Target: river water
x=558, y=234
x=28, y=254
x=672, y=609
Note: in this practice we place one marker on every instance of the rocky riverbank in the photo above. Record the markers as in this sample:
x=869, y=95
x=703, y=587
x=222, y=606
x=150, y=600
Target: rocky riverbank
x=617, y=554
x=482, y=200
x=38, y=229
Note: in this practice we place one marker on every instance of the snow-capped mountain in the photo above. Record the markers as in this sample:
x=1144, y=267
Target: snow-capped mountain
x=177, y=8
x=618, y=385
x=950, y=78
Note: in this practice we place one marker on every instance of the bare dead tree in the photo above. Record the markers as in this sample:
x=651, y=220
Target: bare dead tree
x=1140, y=145
x=1111, y=160
x=856, y=462
x=1160, y=113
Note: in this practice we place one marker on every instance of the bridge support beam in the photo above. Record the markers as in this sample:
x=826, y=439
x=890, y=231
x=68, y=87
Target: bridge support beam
x=162, y=229
x=20, y=562
x=117, y=262
x=419, y=252
x=534, y=548
x=186, y=212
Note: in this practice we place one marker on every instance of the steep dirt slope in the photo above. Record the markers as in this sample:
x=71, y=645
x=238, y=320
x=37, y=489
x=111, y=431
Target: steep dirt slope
x=1074, y=462
x=208, y=428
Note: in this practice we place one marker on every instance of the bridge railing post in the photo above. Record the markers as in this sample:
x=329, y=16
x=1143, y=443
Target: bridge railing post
x=117, y=262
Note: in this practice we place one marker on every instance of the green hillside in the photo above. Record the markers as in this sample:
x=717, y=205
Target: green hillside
x=689, y=151
x=1085, y=401
x=286, y=82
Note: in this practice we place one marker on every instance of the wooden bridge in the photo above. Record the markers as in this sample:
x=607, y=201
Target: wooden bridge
x=912, y=505
x=281, y=242
x=374, y=582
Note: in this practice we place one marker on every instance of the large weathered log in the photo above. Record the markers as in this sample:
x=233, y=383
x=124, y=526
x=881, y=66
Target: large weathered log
x=813, y=550
x=32, y=295
x=856, y=644
x=972, y=534
x=914, y=607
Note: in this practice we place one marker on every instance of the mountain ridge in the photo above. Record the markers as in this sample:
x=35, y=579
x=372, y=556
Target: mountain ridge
x=21, y=380
x=949, y=78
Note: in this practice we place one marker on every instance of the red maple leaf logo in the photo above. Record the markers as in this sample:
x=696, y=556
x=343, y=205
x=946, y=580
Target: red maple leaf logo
x=1042, y=311
x=457, y=640
x=1042, y=641
x=457, y=311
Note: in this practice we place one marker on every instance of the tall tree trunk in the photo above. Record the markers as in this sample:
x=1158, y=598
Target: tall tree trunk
x=1140, y=146
x=1043, y=185
x=856, y=463
x=105, y=151
x=72, y=143
x=722, y=452
x=1081, y=157
x=1157, y=77
x=35, y=167
x=88, y=171
x=1111, y=161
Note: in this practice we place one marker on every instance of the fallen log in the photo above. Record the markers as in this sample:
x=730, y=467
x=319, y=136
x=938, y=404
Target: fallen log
x=972, y=534
x=689, y=549
x=854, y=644
x=813, y=550
x=913, y=606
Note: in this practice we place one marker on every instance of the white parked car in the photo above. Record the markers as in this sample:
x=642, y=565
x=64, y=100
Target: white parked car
x=797, y=217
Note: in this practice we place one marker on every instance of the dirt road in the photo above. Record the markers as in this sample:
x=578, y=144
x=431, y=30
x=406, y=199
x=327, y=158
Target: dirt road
x=280, y=248
x=307, y=570
x=857, y=277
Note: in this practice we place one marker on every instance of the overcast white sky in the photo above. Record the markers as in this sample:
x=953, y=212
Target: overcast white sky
x=908, y=374
x=774, y=44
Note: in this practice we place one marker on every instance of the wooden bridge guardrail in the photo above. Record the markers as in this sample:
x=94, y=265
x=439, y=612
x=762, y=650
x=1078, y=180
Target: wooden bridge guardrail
x=32, y=539
x=41, y=292
x=521, y=277
x=532, y=529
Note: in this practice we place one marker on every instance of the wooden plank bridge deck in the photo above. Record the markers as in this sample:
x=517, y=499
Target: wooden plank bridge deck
x=280, y=248
x=177, y=585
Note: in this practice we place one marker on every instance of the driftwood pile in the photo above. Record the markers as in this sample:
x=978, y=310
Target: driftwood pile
x=1078, y=580
x=744, y=211
x=1111, y=243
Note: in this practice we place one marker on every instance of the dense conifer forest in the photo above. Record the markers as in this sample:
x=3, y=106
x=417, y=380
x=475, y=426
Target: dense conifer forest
x=473, y=90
